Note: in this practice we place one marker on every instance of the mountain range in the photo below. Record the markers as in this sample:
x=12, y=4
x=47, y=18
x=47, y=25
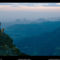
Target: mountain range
x=38, y=39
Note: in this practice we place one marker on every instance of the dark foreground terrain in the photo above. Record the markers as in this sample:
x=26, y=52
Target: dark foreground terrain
x=7, y=48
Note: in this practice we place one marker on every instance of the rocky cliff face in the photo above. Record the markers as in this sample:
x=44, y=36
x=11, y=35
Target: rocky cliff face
x=7, y=48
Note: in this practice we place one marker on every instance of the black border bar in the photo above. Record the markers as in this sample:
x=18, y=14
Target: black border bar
x=29, y=1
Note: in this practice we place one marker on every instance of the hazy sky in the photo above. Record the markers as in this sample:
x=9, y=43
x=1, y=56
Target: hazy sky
x=13, y=11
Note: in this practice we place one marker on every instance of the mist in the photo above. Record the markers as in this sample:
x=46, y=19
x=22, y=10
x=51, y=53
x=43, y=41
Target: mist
x=8, y=16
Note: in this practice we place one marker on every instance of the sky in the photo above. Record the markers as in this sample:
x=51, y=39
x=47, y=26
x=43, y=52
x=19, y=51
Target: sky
x=29, y=11
x=28, y=6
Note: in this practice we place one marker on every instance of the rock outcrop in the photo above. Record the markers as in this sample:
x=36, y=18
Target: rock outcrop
x=7, y=48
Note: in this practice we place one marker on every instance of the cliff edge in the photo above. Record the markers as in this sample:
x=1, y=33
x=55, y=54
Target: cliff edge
x=7, y=48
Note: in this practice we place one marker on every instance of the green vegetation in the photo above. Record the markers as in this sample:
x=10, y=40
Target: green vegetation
x=7, y=48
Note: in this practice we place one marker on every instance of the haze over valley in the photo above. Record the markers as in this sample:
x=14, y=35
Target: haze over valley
x=34, y=27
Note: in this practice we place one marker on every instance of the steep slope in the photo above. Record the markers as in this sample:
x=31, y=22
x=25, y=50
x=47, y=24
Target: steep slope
x=7, y=48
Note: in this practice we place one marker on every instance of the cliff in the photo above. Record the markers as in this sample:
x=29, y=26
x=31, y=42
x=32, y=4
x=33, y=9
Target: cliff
x=7, y=48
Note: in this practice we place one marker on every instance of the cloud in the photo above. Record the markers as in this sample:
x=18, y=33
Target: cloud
x=30, y=4
x=57, y=3
x=29, y=8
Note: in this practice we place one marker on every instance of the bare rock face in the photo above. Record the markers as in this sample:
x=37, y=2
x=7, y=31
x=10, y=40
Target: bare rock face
x=7, y=48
